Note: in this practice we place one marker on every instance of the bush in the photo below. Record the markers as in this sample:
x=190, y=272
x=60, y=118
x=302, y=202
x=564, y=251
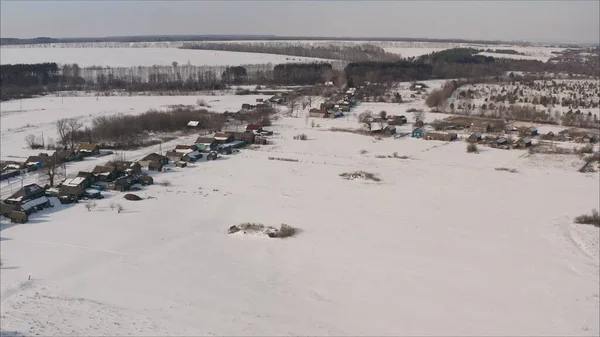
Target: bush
x=360, y=175
x=472, y=148
x=506, y=169
x=301, y=137
x=589, y=219
x=132, y=197
x=165, y=183
x=586, y=149
x=283, y=232
x=202, y=102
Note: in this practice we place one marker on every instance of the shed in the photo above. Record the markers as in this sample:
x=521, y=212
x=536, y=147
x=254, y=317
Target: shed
x=319, y=113
x=89, y=149
x=155, y=157
x=523, y=142
x=105, y=173
x=247, y=137
x=204, y=143
x=127, y=167
x=174, y=156
x=223, y=137
x=417, y=133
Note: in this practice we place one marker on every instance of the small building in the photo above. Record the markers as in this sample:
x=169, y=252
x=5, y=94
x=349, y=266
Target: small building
x=89, y=149
x=191, y=156
x=74, y=187
x=204, y=143
x=105, y=173
x=254, y=127
x=155, y=157
x=397, y=120
x=417, y=133
x=223, y=137
x=475, y=137
x=193, y=124
x=9, y=174
x=174, y=156
x=37, y=162
x=67, y=156
x=29, y=199
x=447, y=137
x=317, y=113
x=259, y=100
x=247, y=137
x=531, y=131
x=587, y=138
x=522, y=143
x=152, y=165
x=124, y=183
x=185, y=148
x=549, y=136
x=127, y=167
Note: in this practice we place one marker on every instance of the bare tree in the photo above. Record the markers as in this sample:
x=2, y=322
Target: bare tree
x=120, y=208
x=89, y=207
x=293, y=105
x=383, y=114
x=310, y=101
x=51, y=170
x=32, y=141
x=366, y=118
x=73, y=125
x=419, y=116
x=63, y=130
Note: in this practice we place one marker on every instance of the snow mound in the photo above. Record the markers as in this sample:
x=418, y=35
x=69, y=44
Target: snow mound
x=361, y=175
x=71, y=317
x=587, y=237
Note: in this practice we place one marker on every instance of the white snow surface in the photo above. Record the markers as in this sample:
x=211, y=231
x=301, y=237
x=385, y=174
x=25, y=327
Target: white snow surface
x=443, y=245
x=133, y=57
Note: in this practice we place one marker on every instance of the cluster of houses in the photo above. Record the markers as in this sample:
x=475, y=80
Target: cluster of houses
x=42, y=160
x=123, y=175
x=335, y=109
x=264, y=103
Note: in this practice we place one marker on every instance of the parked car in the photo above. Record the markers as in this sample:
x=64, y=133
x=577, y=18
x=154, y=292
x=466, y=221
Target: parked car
x=68, y=199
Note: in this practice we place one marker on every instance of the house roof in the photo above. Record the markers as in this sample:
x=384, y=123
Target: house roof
x=205, y=140
x=155, y=157
x=26, y=192
x=174, y=154
x=37, y=159
x=253, y=127
x=88, y=147
x=35, y=202
x=63, y=154
x=193, y=123
x=75, y=181
x=222, y=135
x=103, y=169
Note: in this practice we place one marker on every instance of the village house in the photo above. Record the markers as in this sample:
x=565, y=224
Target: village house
x=247, y=137
x=28, y=199
x=587, y=138
x=105, y=173
x=89, y=150
x=254, y=128
x=204, y=143
x=185, y=148
x=127, y=167
x=447, y=137
x=155, y=157
x=124, y=183
x=223, y=137
x=317, y=113
x=174, y=156
x=37, y=162
x=193, y=124
x=475, y=137
x=522, y=143
x=397, y=120
x=531, y=131
x=74, y=187
x=63, y=156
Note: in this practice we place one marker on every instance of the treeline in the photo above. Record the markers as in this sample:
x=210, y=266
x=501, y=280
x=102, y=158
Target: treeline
x=33, y=77
x=352, y=53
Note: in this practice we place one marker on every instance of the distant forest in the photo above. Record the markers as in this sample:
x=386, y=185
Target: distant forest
x=27, y=80
x=166, y=38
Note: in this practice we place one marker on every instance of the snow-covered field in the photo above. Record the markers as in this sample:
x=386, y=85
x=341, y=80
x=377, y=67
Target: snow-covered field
x=445, y=244
x=131, y=57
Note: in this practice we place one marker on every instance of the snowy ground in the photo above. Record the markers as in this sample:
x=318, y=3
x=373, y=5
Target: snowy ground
x=133, y=57
x=445, y=244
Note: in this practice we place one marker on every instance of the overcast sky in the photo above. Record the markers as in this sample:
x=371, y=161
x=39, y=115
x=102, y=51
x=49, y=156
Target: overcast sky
x=544, y=21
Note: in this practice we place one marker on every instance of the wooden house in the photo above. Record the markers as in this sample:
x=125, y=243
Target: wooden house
x=223, y=137
x=317, y=113
x=247, y=137
x=124, y=183
x=204, y=143
x=63, y=156
x=127, y=167
x=174, y=156
x=185, y=148
x=29, y=199
x=522, y=143
x=397, y=120
x=75, y=187
x=89, y=150
x=254, y=127
x=447, y=137
x=475, y=137
x=105, y=173
x=155, y=157
x=37, y=162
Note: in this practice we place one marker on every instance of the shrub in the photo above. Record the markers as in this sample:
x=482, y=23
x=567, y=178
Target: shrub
x=363, y=151
x=120, y=208
x=165, y=183
x=132, y=197
x=472, y=148
x=586, y=149
x=301, y=137
x=360, y=175
x=202, y=102
x=589, y=219
x=283, y=232
x=506, y=169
